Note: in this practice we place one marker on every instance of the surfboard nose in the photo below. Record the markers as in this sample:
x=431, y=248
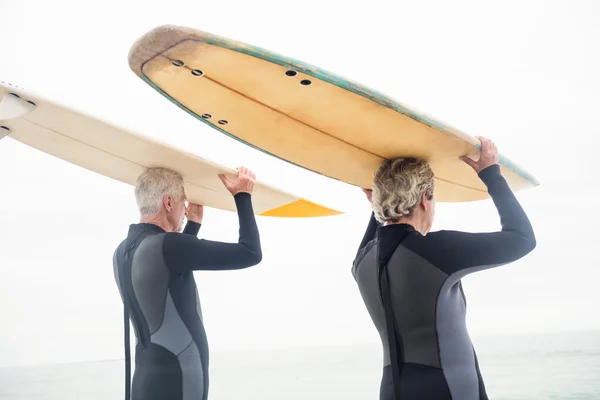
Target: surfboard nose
x=155, y=41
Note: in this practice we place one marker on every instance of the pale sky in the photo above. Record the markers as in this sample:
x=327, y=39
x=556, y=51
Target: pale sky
x=524, y=73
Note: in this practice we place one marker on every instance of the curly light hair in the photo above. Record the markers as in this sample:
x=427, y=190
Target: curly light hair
x=398, y=187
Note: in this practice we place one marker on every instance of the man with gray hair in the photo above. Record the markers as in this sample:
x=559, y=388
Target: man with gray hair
x=153, y=269
x=410, y=279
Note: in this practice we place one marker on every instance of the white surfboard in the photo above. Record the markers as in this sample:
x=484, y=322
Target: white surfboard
x=109, y=150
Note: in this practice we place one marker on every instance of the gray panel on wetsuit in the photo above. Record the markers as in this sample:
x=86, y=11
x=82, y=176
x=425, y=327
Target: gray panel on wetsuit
x=454, y=341
x=365, y=274
x=150, y=280
x=416, y=284
x=191, y=370
x=172, y=334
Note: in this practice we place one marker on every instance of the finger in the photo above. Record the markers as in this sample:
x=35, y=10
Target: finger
x=485, y=144
x=481, y=140
x=468, y=161
x=491, y=147
x=224, y=180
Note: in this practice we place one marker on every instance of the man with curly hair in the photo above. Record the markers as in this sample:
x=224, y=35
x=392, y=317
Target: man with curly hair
x=410, y=279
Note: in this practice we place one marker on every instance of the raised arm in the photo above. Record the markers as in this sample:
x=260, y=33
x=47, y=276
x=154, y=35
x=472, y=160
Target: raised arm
x=192, y=228
x=185, y=252
x=470, y=252
x=195, y=215
x=369, y=233
x=371, y=227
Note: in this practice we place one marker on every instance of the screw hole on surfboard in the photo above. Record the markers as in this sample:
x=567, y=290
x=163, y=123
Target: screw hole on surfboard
x=206, y=116
x=178, y=63
x=291, y=73
x=223, y=122
x=197, y=72
x=305, y=82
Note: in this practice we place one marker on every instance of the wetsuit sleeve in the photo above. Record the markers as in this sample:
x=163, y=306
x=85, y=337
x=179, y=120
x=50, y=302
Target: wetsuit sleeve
x=469, y=252
x=192, y=228
x=369, y=235
x=187, y=252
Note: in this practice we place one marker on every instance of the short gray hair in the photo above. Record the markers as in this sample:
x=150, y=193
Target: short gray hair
x=398, y=186
x=153, y=185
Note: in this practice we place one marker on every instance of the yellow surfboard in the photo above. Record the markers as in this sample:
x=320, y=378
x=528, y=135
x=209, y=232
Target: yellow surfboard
x=303, y=114
x=114, y=152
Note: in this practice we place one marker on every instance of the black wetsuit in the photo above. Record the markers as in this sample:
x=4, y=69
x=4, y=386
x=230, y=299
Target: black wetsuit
x=411, y=287
x=156, y=281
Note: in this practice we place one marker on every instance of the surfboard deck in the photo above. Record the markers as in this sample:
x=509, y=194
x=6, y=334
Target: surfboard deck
x=109, y=150
x=304, y=115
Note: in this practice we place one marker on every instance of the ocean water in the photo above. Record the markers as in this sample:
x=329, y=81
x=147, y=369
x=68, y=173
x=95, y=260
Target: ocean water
x=550, y=366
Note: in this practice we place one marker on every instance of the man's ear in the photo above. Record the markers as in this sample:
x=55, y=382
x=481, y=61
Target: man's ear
x=424, y=201
x=168, y=202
